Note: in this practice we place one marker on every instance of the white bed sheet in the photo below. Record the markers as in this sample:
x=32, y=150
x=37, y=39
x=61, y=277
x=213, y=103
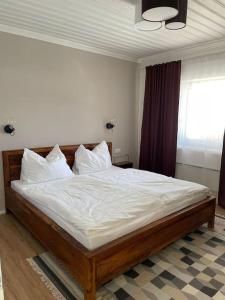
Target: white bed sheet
x=100, y=207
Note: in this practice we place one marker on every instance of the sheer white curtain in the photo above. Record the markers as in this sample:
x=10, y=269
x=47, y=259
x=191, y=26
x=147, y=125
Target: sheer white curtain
x=202, y=112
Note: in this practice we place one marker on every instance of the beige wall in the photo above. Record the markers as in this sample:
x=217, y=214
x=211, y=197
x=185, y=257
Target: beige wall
x=62, y=95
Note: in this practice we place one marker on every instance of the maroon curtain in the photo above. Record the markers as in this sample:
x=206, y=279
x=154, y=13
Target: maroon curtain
x=160, y=118
x=221, y=196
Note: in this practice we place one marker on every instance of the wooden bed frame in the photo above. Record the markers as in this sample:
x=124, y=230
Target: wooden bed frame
x=93, y=268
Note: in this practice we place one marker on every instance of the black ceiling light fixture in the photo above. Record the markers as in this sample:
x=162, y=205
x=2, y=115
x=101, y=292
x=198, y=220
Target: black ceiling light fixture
x=159, y=10
x=179, y=21
x=140, y=23
x=151, y=14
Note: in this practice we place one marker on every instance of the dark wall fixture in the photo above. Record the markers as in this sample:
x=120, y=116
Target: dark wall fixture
x=109, y=125
x=9, y=129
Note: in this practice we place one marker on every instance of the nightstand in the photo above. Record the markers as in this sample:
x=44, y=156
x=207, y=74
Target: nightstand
x=124, y=164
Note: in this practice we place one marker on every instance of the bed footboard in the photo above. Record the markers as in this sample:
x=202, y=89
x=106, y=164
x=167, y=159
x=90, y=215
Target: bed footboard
x=119, y=255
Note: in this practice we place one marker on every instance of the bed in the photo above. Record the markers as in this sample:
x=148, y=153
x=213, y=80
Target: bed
x=92, y=252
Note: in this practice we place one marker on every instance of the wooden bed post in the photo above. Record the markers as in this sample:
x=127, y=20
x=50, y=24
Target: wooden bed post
x=211, y=221
x=90, y=289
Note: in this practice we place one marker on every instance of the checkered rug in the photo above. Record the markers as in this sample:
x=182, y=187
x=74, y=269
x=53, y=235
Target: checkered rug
x=191, y=268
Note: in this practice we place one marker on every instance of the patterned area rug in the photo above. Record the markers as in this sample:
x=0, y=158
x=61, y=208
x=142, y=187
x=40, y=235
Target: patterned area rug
x=191, y=268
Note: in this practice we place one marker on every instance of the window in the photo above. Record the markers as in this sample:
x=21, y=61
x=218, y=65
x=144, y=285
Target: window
x=203, y=115
x=202, y=111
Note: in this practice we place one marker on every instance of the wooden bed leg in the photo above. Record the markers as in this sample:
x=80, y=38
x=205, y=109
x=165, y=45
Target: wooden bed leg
x=90, y=289
x=90, y=294
x=7, y=211
x=211, y=223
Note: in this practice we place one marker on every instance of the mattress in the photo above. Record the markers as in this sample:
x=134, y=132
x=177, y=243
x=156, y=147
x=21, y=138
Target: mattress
x=100, y=207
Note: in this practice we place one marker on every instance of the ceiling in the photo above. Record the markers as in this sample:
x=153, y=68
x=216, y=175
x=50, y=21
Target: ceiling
x=107, y=26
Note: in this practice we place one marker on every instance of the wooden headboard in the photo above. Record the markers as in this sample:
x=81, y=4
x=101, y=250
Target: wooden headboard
x=12, y=159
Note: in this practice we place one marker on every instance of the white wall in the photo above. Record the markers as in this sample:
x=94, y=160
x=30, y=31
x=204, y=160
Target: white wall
x=62, y=95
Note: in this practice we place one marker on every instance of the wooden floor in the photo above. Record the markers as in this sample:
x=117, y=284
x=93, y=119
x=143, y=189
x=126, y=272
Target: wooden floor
x=20, y=282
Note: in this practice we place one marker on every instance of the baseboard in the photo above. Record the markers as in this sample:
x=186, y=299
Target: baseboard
x=2, y=212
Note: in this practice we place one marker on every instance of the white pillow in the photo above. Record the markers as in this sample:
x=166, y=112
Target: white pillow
x=36, y=169
x=87, y=161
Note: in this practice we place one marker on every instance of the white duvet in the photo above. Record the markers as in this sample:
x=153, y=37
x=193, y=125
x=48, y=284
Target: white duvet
x=102, y=206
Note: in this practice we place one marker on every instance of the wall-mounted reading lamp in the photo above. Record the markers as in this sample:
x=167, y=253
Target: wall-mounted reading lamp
x=109, y=125
x=9, y=129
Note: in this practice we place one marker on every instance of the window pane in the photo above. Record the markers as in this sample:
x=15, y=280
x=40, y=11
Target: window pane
x=202, y=114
